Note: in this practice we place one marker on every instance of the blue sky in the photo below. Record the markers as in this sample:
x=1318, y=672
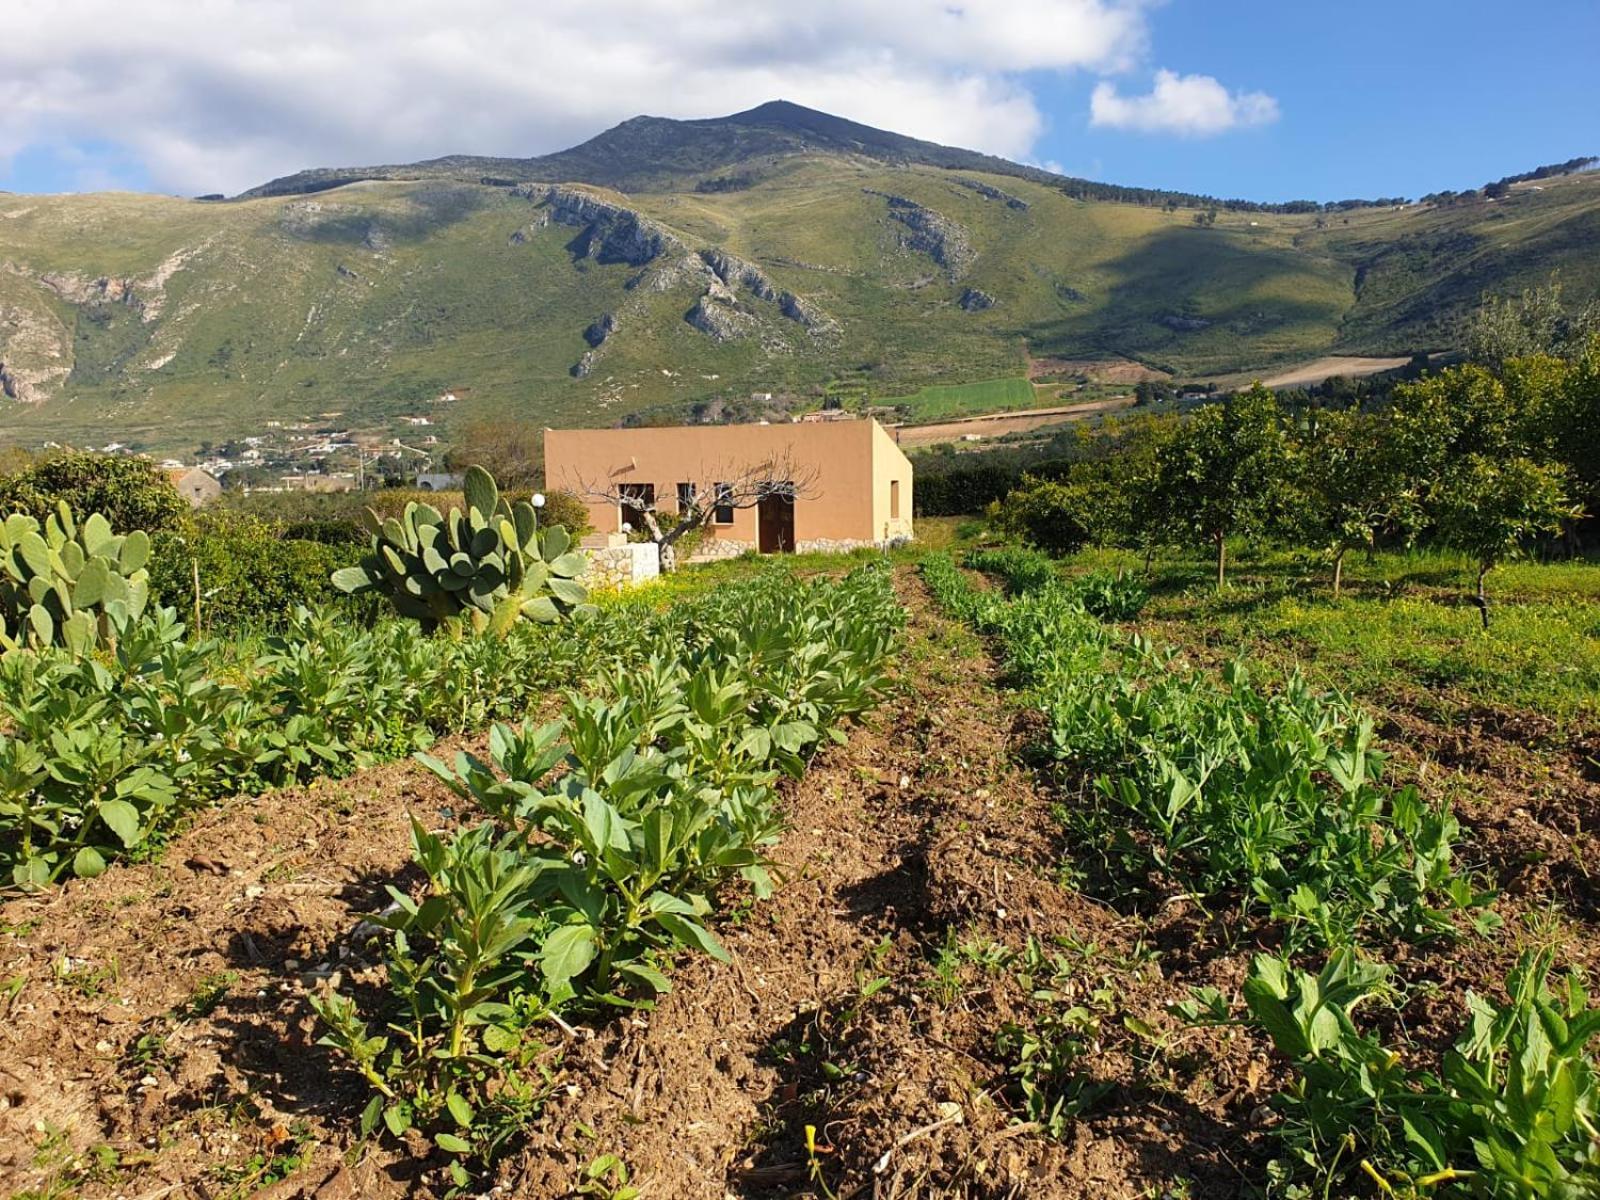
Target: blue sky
x=1401, y=97
x=1246, y=98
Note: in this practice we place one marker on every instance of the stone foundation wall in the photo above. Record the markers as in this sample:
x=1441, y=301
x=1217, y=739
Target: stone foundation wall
x=621, y=566
x=714, y=549
x=845, y=545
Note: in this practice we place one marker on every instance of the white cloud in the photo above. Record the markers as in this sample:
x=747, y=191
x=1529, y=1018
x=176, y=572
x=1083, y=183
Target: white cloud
x=1194, y=105
x=216, y=95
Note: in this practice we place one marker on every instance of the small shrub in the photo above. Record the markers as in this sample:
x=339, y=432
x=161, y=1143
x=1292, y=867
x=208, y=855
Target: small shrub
x=130, y=493
x=566, y=509
x=1054, y=517
x=252, y=573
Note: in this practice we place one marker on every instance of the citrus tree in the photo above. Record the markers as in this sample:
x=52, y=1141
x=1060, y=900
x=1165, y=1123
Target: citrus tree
x=1223, y=473
x=1492, y=508
x=1351, y=485
x=1049, y=515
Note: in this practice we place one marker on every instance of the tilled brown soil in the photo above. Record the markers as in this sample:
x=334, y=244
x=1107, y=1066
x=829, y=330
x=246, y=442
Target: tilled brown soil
x=162, y=1008
x=923, y=833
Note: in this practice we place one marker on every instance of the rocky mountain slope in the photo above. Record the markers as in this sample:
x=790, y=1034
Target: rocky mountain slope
x=756, y=253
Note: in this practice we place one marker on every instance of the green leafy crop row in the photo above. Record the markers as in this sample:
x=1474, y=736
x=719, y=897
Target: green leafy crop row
x=1274, y=800
x=1513, y=1112
x=100, y=753
x=609, y=833
x=1277, y=799
x=1117, y=596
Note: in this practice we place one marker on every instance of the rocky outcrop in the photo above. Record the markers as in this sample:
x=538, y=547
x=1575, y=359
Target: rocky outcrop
x=596, y=335
x=600, y=330
x=520, y=235
x=27, y=386
x=1184, y=324
x=613, y=233
x=803, y=312
x=76, y=289
x=732, y=272
x=717, y=315
x=931, y=233
x=990, y=192
x=736, y=272
x=610, y=233
x=976, y=300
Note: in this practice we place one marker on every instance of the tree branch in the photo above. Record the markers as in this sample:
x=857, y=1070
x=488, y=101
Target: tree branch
x=725, y=485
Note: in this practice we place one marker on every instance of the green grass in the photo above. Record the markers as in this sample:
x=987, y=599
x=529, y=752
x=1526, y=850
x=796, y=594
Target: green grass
x=693, y=579
x=969, y=399
x=1404, y=634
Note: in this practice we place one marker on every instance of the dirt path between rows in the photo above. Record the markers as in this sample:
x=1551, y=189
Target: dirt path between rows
x=865, y=1000
x=162, y=1011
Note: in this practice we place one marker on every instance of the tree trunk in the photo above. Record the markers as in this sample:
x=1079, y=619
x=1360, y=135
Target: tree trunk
x=1222, y=560
x=667, y=543
x=1483, y=598
x=1338, y=571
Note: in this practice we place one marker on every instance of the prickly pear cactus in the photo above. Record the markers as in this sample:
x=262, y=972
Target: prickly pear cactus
x=67, y=584
x=487, y=566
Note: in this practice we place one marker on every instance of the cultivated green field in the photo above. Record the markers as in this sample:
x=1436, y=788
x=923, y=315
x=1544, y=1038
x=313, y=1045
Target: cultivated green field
x=968, y=399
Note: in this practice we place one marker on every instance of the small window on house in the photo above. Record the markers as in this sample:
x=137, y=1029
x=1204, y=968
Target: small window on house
x=637, y=499
x=894, y=499
x=724, y=508
x=685, y=497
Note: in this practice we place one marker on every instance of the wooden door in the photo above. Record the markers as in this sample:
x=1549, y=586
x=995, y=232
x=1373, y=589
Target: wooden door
x=775, y=524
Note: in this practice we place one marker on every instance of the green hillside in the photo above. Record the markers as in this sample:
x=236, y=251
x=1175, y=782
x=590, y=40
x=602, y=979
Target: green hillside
x=163, y=322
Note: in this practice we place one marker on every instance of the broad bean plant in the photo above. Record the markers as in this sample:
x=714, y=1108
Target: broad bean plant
x=1270, y=799
x=100, y=754
x=1511, y=1113
x=609, y=835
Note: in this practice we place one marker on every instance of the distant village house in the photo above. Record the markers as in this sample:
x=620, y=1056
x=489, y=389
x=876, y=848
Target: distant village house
x=439, y=481
x=318, y=482
x=195, y=484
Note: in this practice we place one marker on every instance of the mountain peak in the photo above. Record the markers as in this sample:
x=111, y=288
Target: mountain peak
x=785, y=112
x=646, y=153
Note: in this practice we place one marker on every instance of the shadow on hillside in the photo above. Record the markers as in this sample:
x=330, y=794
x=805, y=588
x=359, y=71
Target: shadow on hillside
x=1177, y=275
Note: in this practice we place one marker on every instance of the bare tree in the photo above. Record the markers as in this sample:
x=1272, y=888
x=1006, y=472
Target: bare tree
x=510, y=450
x=718, y=488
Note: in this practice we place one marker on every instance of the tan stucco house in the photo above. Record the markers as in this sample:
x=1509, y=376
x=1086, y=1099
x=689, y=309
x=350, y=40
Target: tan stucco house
x=853, y=483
